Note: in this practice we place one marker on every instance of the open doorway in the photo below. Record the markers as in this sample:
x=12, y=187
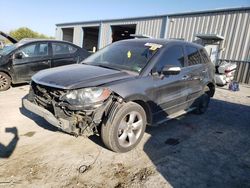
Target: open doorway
x=68, y=34
x=212, y=43
x=90, y=38
x=213, y=52
x=122, y=32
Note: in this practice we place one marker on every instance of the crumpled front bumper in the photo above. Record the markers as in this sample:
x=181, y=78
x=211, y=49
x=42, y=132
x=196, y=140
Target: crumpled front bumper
x=48, y=116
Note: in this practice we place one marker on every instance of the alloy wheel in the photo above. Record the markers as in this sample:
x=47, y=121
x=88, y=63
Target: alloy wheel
x=3, y=81
x=130, y=129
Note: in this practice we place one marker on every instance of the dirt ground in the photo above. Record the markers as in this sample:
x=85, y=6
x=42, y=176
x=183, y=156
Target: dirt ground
x=210, y=150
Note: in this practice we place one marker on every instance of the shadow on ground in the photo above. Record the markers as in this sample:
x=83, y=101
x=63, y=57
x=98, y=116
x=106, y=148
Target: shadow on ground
x=19, y=85
x=209, y=150
x=6, y=151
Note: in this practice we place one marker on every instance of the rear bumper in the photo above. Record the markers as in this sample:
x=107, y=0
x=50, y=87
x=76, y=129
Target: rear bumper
x=48, y=116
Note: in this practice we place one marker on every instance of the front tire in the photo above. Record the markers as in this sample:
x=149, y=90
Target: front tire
x=126, y=129
x=5, y=81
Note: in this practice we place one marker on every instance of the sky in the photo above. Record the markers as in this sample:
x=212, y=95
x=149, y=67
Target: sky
x=41, y=16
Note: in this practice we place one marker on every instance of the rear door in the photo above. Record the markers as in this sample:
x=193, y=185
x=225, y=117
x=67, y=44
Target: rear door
x=196, y=71
x=170, y=91
x=31, y=59
x=64, y=54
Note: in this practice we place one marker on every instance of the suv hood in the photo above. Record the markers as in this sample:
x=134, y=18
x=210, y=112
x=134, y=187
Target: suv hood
x=78, y=76
x=11, y=39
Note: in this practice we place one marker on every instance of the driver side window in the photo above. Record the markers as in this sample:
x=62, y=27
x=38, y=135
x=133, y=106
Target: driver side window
x=31, y=51
x=172, y=57
x=28, y=51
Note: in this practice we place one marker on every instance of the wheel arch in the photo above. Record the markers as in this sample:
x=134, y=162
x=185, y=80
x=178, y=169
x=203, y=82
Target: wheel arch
x=211, y=87
x=143, y=102
x=8, y=73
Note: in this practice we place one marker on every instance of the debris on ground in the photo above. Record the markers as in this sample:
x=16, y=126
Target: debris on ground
x=126, y=177
x=213, y=150
x=29, y=134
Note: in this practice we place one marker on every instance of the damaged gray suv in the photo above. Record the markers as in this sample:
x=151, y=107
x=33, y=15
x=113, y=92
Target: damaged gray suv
x=118, y=91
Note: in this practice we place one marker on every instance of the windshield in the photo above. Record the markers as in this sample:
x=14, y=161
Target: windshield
x=7, y=49
x=132, y=56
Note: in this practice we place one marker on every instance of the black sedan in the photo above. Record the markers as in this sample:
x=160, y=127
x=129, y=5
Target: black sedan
x=21, y=60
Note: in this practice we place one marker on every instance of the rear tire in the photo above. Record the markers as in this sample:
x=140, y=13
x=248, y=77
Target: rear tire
x=202, y=104
x=5, y=81
x=126, y=129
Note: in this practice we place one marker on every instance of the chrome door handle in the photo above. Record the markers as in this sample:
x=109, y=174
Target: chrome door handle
x=197, y=78
x=204, y=71
x=185, y=77
x=46, y=62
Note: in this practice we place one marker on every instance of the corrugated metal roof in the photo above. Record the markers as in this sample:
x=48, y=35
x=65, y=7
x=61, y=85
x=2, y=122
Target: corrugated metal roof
x=156, y=16
x=210, y=11
x=110, y=20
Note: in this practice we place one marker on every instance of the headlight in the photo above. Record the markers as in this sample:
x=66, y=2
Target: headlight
x=87, y=96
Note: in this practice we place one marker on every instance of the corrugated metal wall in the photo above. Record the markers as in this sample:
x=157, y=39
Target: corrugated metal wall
x=234, y=26
x=154, y=27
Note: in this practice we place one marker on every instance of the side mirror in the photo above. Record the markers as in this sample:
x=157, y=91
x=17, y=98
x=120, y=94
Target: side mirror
x=18, y=55
x=171, y=70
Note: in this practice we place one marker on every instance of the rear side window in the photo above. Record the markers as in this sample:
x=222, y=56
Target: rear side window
x=193, y=55
x=61, y=48
x=173, y=57
x=204, y=55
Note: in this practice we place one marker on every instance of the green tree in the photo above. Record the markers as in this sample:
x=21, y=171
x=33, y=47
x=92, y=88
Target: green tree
x=25, y=32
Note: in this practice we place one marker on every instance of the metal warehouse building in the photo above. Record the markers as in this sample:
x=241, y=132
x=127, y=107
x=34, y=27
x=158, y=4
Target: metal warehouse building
x=224, y=32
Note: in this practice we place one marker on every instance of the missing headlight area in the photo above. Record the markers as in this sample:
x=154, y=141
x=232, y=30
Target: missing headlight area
x=66, y=114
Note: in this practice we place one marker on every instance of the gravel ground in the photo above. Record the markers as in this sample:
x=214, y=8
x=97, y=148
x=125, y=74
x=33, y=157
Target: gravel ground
x=209, y=150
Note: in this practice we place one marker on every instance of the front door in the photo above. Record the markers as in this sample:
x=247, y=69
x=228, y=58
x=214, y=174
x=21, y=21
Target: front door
x=30, y=59
x=170, y=91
